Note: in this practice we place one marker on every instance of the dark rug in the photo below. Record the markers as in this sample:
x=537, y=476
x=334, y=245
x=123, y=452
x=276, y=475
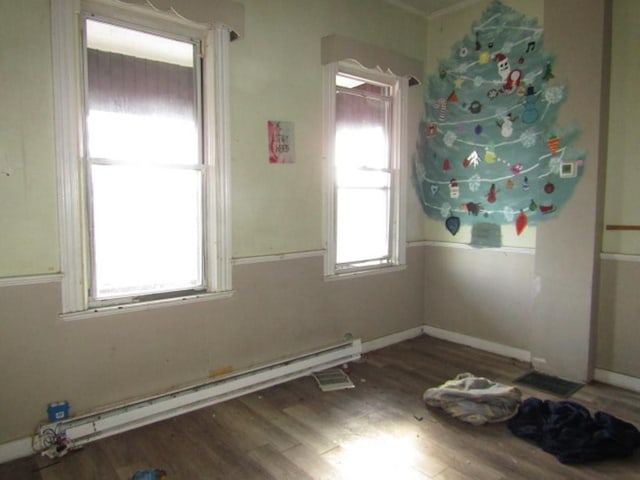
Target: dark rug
x=548, y=383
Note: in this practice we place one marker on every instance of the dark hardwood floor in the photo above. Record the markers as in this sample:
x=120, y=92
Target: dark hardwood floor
x=378, y=430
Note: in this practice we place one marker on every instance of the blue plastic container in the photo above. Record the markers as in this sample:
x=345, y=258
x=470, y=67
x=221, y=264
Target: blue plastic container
x=58, y=411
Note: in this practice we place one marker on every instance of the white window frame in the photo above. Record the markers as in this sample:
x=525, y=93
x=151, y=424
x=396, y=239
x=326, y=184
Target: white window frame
x=68, y=111
x=398, y=166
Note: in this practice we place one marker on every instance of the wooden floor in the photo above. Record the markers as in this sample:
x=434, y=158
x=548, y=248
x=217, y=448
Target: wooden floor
x=378, y=430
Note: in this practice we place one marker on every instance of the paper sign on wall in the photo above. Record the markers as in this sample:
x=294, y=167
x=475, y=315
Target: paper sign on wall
x=281, y=146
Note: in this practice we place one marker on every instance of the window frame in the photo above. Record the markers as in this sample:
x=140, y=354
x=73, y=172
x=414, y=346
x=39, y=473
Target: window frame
x=69, y=83
x=397, y=166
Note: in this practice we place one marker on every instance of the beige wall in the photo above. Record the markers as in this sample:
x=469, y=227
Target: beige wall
x=482, y=294
x=279, y=308
x=618, y=320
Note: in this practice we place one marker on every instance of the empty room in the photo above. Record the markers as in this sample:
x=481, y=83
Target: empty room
x=366, y=239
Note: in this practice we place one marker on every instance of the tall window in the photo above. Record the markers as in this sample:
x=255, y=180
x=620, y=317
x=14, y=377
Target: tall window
x=365, y=189
x=144, y=162
x=148, y=219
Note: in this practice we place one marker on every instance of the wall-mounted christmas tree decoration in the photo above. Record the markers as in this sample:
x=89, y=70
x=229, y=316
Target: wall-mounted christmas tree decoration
x=490, y=150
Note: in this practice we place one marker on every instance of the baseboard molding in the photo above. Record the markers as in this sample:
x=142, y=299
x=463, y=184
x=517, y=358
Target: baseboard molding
x=16, y=449
x=388, y=340
x=617, y=379
x=504, y=350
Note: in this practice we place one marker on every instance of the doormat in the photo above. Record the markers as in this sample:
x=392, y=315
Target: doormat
x=550, y=384
x=332, y=379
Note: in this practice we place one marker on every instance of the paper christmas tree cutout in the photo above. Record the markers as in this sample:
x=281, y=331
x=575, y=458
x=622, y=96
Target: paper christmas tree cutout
x=489, y=149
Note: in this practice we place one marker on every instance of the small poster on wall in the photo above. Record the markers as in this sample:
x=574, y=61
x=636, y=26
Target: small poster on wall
x=281, y=145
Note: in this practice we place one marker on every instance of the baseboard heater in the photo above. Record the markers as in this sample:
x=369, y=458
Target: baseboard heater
x=87, y=428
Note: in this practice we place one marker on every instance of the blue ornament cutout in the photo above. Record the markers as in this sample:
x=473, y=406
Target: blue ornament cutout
x=452, y=224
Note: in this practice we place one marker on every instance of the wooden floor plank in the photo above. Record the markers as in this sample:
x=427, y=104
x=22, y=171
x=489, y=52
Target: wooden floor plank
x=379, y=429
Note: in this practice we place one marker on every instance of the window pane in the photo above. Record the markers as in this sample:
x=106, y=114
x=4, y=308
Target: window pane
x=362, y=224
x=141, y=96
x=147, y=229
x=362, y=172
x=361, y=131
x=142, y=139
x=361, y=146
x=358, y=178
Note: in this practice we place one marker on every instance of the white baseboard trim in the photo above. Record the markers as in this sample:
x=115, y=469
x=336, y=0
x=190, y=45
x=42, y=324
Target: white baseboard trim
x=16, y=449
x=617, y=379
x=504, y=350
x=388, y=340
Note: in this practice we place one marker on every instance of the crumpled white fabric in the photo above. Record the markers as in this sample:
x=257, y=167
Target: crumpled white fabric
x=475, y=400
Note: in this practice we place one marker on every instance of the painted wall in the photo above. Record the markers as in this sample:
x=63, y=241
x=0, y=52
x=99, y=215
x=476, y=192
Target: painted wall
x=623, y=168
x=278, y=208
x=568, y=247
x=28, y=231
x=443, y=32
x=618, y=321
x=279, y=308
x=619, y=302
x=482, y=294
x=549, y=306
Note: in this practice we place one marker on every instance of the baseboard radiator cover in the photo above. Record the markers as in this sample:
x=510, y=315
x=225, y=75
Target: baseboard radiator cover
x=87, y=428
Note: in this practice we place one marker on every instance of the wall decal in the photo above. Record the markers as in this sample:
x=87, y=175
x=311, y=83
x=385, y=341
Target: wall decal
x=489, y=132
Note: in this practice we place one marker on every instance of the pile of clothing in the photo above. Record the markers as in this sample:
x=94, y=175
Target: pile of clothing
x=474, y=400
x=568, y=431
x=565, y=429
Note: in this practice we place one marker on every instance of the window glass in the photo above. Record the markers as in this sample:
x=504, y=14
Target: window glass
x=143, y=178
x=362, y=176
x=144, y=161
x=147, y=236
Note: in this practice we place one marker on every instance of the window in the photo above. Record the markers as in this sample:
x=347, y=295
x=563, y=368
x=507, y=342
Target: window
x=364, y=125
x=144, y=210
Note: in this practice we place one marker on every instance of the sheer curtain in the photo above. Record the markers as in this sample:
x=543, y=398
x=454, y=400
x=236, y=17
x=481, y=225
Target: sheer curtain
x=362, y=173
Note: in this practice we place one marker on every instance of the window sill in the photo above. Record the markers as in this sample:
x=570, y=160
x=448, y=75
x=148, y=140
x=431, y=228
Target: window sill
x=364, y=272
x=142, y=306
